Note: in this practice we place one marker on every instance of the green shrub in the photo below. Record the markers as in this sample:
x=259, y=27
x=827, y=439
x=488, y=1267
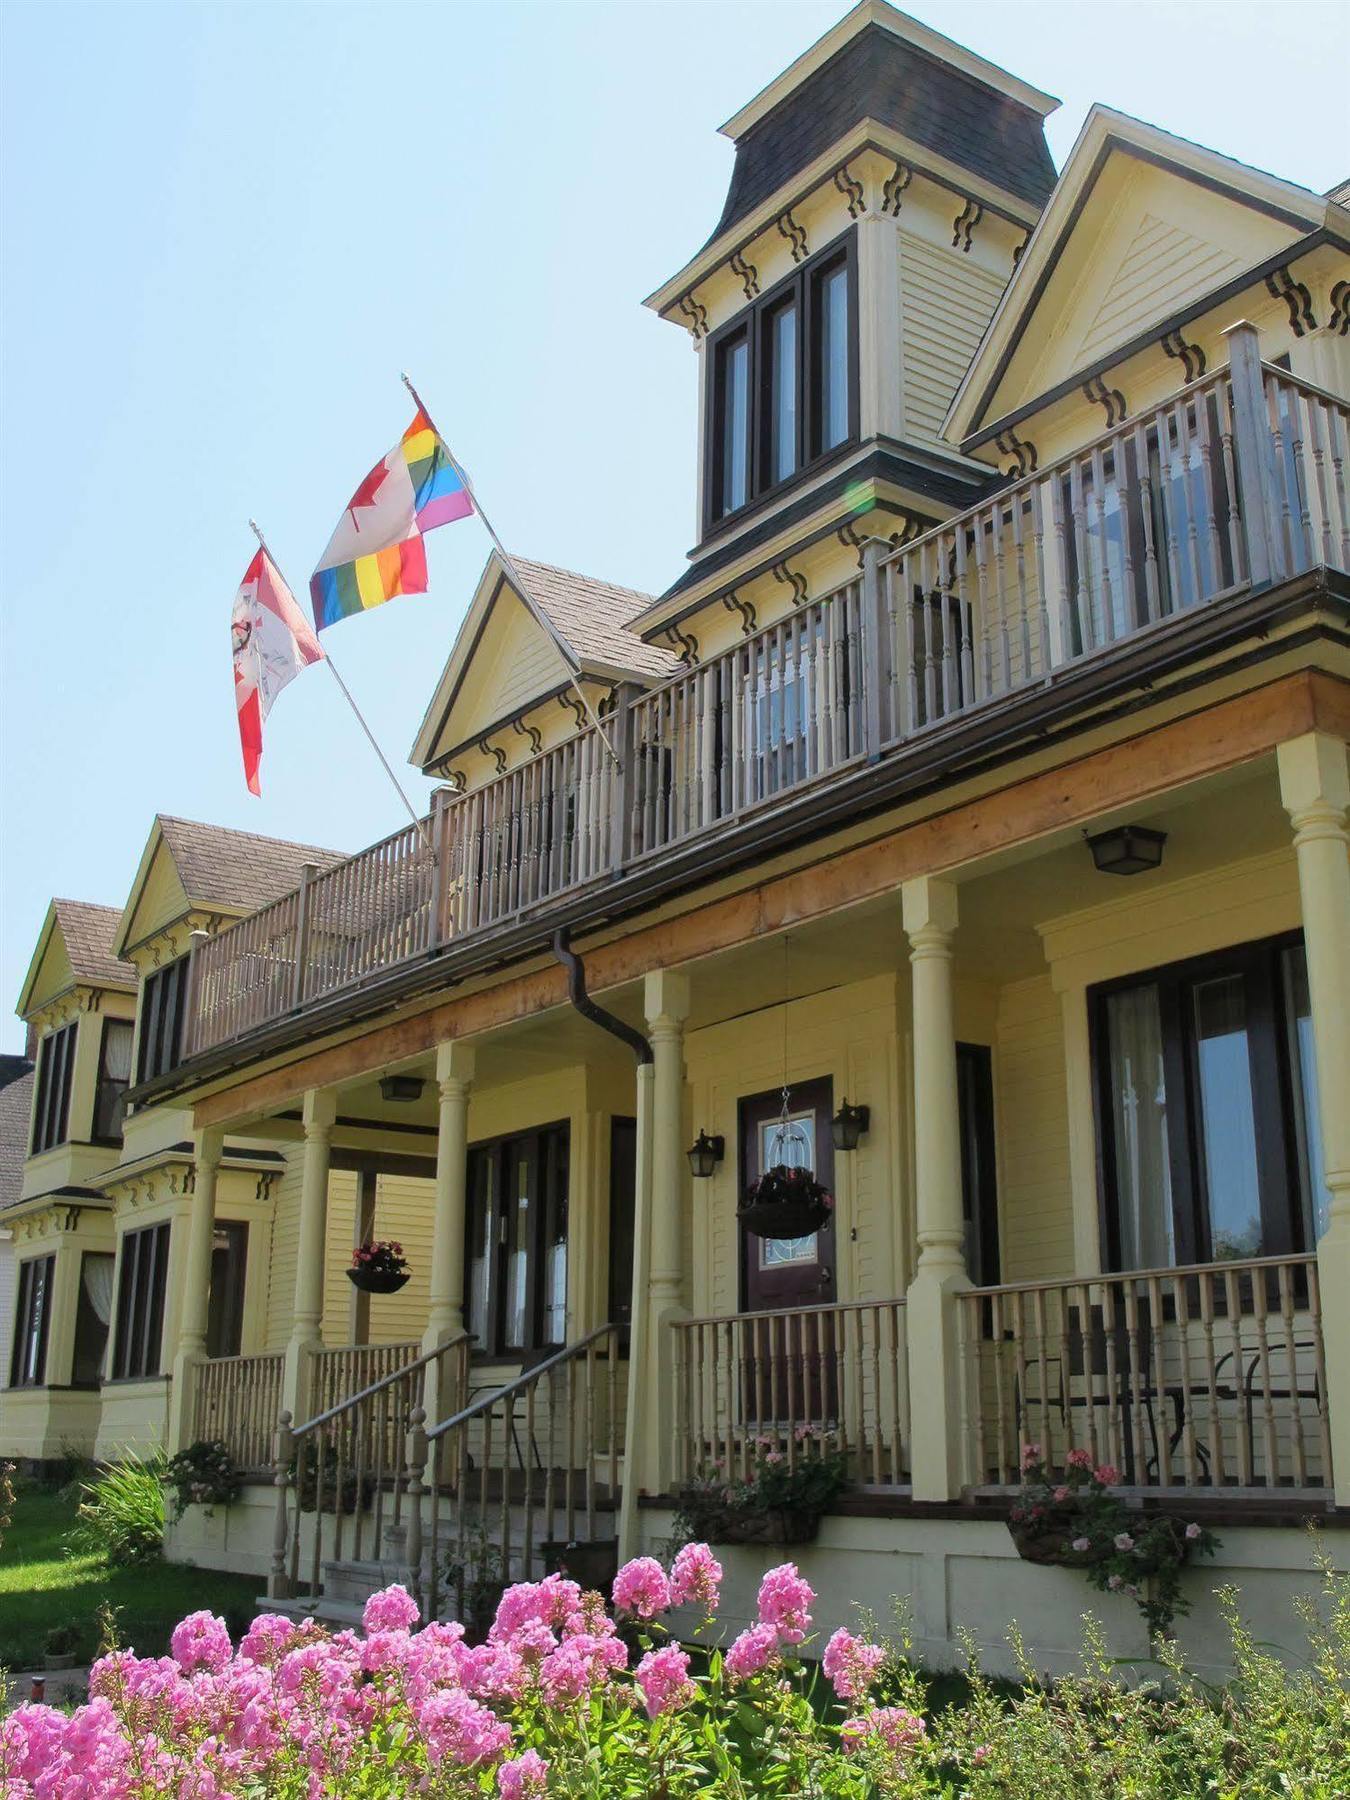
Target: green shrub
x=121, y=1511
x=205, y=1474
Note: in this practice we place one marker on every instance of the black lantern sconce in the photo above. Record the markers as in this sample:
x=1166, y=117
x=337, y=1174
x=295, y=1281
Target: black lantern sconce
x=704, y=1155
x=1128, y=850
x=848, y=1125
x=401, y=1087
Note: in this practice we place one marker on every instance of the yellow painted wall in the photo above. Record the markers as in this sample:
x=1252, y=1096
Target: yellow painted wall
x=946, y=300
x=1031, y=1110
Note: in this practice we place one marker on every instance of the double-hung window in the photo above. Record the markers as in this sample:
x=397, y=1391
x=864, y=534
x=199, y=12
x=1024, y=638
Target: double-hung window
x=51, y=1105
x=141, y=1286
x=114, y=1077
x=1207, y=1110
x=783, y=382
x=32, y=1315
x=162, y=1001
x=516, y=1242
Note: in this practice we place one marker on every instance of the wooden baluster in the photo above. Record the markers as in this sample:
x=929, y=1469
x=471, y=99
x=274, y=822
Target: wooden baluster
x=1299, y=1446
x=1064, y=1384
x=1319, y=1368
x=1232, y=1304
x=1024, y=607
x=727, y=1356
x=1199, y=587
x=1338, y=424
x=985, y=625
x=904, y=581
x=1287, y=529
x=1047, y=1427
x=875, y=1314
x=1136, y=1375
x=895, y=1328
x=1087, y=632
x=299, y=1447
x=1181, y=1306
x=1022, y=1411
x=1003, y=647
x=1270, y=1435
x=1159, y=1381
x=1098, y=509
x=1111, y=1372
x=1237, y=545
x=1214, y=1420
x=1209, y=482
x=527, y=1495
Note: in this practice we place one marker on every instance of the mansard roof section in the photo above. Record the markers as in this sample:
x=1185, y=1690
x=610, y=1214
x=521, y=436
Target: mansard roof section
x=529, y=631
x=188, y=866
x=1143, y=231
x=75, y=948
x=883, y=74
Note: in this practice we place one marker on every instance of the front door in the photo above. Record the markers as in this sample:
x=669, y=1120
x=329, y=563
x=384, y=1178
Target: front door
x=789, y=1361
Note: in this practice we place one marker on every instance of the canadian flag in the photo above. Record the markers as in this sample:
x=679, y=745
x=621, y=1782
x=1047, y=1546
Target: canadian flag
x=272, y=642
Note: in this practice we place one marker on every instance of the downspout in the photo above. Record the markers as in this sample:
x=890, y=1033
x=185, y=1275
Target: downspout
x=642, y=1201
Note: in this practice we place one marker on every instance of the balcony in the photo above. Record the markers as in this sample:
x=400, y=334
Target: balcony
x=1133, y=554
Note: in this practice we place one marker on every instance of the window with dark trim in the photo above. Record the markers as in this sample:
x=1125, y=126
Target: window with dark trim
x=1207, y=1110
x=51, y=1105
x=93, y=1311
x=225, y=1309
x=114, y=1077
x=979, y=1184
x=140, y=1302
x=162, y=1001
x=516, y=1230
x=32, y=1315
x=784, y=382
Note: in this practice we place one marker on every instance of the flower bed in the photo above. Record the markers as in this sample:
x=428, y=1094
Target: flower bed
x=568, y=1698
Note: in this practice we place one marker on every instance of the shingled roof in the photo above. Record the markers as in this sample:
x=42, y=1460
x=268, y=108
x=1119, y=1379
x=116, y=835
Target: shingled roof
x=88, y=931
x=592, y=617
x=16, y=1100
x=239, y=870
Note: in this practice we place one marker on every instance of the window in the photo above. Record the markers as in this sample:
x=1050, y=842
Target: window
x=1207, y=1108
x=114, y=1076
x=28, y=1365
x=783, y=383
x=225, y=1312
x=515, y=1295
x=162, y=1002
x=51, y=1107
x=979, y=1188
x=93, y=1310
x=140, y=1302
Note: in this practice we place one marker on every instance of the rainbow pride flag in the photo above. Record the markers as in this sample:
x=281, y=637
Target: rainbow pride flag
x=377, y=550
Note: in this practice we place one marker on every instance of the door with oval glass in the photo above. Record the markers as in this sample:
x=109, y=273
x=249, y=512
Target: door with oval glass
x=789, y=1371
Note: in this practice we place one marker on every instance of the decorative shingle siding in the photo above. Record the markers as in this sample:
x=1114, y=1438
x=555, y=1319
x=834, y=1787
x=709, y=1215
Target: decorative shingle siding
x=877, y=76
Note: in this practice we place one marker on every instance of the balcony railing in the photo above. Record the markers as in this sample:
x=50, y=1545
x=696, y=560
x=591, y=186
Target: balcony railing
x=1237, y=482
x=1212, y=1376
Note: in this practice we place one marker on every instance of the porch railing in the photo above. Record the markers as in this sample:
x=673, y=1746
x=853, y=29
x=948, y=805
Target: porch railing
x=237, y=1399
x=779, y=709
x=522, y=1474
x=351, y=1468
x=352, y=1368
x=1236, y=482
x=1210, y=1376
x=795, y=1381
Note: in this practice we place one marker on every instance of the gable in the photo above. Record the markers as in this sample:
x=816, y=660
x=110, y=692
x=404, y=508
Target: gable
x=1148, y=242
x=157, y=901
x=512, y=662
x=51, y=973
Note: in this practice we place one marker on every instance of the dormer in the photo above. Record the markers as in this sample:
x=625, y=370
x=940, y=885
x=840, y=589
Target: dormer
x=882, y=189
x=79, y=1000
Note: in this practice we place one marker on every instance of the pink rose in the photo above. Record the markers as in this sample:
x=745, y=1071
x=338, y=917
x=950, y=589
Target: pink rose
x=1192, y=1532
x=1080, y=1544
x=1107, y=1474
x=1061, y=1494
x=1078, y=1459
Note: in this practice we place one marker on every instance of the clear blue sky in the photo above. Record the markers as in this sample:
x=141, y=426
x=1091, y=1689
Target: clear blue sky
x=227, y=227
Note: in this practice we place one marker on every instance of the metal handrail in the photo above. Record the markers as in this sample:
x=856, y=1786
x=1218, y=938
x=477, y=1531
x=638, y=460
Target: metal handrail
x=496, y=1395
x=376, y=1387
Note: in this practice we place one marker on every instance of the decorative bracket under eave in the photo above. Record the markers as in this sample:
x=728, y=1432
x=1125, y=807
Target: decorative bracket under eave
x=790, y=578
x=495, y=751
x=1190, y=356
x=684, y=646
x=531, y=732
x=745, y=272
x=733, y=603
x=570, y=701
x=1007, y=443
x=963, y=226
x=1095, y=389
x=852, y=190
x=1339, y=322
x=795, y=235
x=894, y=186
x=696, y=313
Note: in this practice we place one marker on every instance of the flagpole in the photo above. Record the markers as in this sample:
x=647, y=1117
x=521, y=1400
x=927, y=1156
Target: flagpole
x=347, y=695
x=507, y=563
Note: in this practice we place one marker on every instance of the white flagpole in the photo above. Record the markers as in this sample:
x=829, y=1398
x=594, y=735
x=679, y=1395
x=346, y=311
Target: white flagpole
x=508, y=565
x=347, y=695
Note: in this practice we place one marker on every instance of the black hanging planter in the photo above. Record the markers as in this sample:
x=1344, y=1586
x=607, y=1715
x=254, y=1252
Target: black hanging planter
x=785, y=1203
x=377, y=1281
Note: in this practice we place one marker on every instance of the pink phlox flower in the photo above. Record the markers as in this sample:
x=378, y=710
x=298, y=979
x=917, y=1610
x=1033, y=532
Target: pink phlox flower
x=393, y=1609
x=1107, y=1474
x=200, y=1641
x=891, y=1728
x=663, y=1676
x=525, y=1603
x=695, y=1578
x=851, y=1665
x=458, y=1729
x=785, y=1603
x=558, y=1597
x=641, y=1588
x=271, y=1635
x=494, y=1672
x=523, y=1778
x=575, y=1667
x=755, y=1649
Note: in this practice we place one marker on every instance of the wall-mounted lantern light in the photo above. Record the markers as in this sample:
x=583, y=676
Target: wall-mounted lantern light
x=1128, y=850
x=848, y=1125
x=401, y=1087
x=704, y=1155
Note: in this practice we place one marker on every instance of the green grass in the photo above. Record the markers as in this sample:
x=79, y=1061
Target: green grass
x=40, y=1587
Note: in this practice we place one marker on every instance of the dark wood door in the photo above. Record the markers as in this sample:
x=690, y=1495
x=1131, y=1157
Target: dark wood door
x=622, y=1195
x=789, y=1370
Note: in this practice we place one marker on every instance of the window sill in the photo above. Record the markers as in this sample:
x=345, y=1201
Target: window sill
x=762, y=503
x=126, y=1381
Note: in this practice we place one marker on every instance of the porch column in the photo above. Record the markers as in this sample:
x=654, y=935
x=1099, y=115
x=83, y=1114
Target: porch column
x=666, y=1005
x=1315, y=788
x=194, y=1308
x=936, y=1449
x=455, y=1067
x=320, y=1110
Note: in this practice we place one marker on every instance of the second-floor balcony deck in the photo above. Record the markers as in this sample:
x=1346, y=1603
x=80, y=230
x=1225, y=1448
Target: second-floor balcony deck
x=1131, y=555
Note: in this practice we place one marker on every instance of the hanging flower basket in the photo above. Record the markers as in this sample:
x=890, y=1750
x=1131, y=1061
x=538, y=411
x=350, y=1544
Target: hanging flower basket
x=378, y=1268
x=786, y=1203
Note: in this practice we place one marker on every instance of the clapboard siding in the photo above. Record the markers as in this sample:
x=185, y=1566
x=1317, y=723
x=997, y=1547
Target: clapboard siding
x=1162, y=266
x=1036, y=1196
x=946, y=301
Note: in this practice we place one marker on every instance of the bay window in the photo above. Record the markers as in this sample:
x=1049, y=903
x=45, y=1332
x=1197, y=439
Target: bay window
x=142, y=1280
x=783, y=382
x=51, y=1104
x=1207, y=1110
x=114, y=1077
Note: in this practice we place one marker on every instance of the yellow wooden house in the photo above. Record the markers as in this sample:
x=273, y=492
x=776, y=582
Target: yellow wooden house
x=967, y=823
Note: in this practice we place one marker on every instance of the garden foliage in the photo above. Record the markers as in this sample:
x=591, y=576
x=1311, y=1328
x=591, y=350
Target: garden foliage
x=566, y=1698
x=121, y=1511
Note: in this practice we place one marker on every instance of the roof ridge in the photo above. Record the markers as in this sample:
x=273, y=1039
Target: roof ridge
x=261, y=837
x=619, y=587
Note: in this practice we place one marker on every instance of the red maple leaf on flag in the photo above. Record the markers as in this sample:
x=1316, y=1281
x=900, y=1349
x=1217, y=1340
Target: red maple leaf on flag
x=368, y=492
